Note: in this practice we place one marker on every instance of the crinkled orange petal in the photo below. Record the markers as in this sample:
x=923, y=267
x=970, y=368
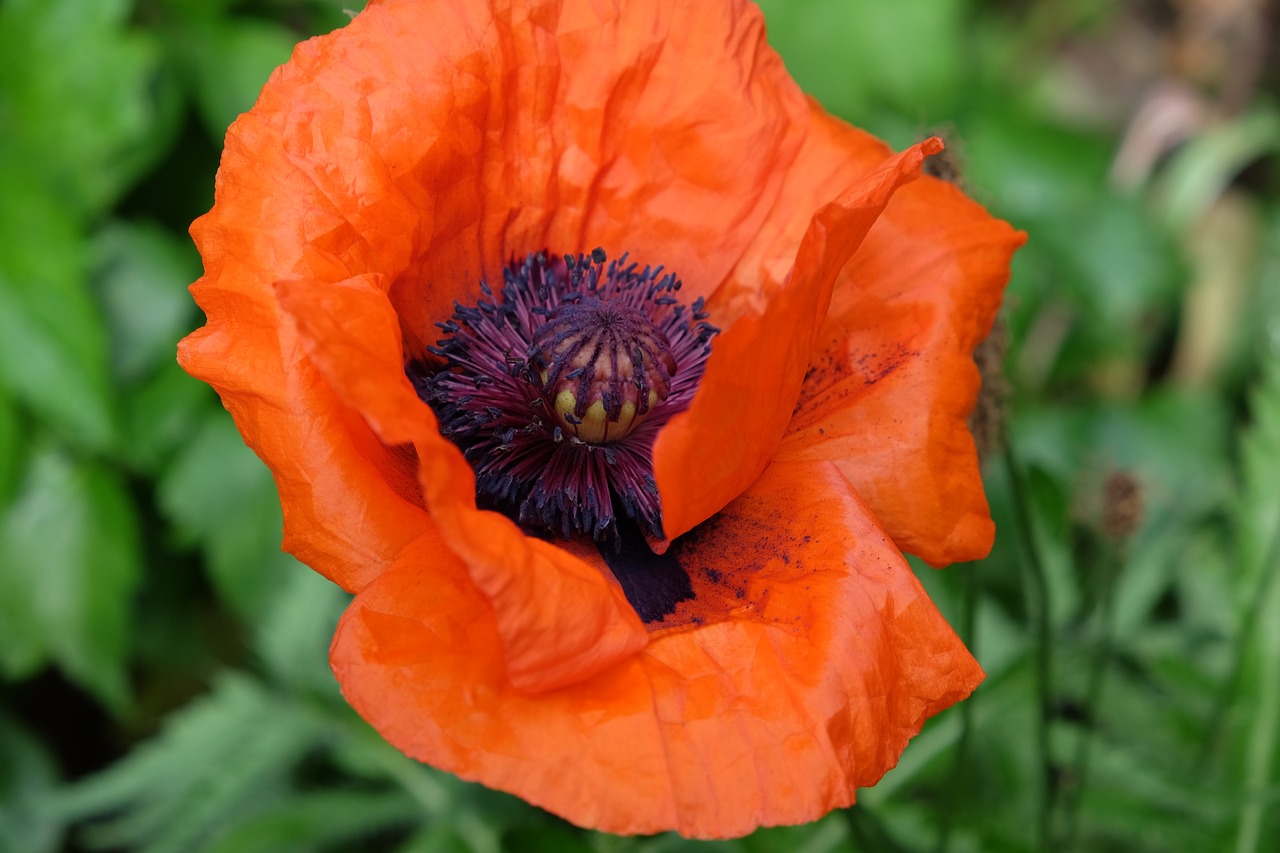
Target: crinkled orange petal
x=431, y=143
x=560, y=619
x=826, y=658
x=329, y=467
x=492, y=129
x=384, y=172
x=710, y=453
x=893, y=377
x=818, y=170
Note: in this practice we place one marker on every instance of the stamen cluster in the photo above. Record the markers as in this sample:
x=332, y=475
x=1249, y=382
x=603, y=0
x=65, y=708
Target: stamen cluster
x=556, y=389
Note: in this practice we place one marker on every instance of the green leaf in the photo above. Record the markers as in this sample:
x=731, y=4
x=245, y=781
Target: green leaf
x=27, y=775
x=1176, y=441
x=1259, y=512
x=13, y=449
x=53, y=348
x=141, y=276
x=477, y=815
x=218, y=762
x=332, y=14
x=162, y=413
x=905, y=53
x=1127, y=271
x=77, y=89
x=1098, y=277
x=1260, y=553
x=826, y=835
x=218, y=495
x=1036, y=171
x=1136, y=803
x=1202, y=169
x=545, y=839
x=228, y=61
x=293, y=636
x=69, y=565
x=320, y=821
x=439, y=838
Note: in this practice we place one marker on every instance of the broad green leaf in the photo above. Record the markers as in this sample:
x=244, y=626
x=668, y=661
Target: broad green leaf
x=218, y=495
x=12, y=449
x=53, y=348
x=906, y=53
x=228, y=61
x=162, y=414
x=27, y=775
x=1099, y=275
x=1034, y=171
x=141, y=277
x=79, y=91
x=293, y=636
x=1124, y=265
x=69, y=565
x=1047, y=180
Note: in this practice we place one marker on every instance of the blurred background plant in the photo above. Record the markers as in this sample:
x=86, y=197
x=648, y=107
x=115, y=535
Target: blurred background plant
x=163, y=677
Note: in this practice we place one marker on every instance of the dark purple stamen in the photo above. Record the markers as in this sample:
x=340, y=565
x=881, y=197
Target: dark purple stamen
x=556, y=391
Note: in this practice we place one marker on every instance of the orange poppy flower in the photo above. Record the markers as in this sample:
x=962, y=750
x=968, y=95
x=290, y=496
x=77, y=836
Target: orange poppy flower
x=728, y=636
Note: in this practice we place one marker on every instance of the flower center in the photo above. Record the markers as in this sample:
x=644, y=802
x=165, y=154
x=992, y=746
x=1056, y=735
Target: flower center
x=556, y=390
x=603, y=367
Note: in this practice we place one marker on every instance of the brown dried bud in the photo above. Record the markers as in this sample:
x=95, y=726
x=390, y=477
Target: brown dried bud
x=987, y=419
x=1122, y=508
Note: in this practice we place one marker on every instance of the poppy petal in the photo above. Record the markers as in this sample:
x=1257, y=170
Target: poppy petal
x=329, y=466
x=893, y=378
x=433, y=142
x=710, y=453
x=560, y=618
x=822, y=163
x=487, y=130
x=807, y=687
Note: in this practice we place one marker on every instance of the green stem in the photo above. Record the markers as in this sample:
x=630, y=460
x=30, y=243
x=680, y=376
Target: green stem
x=1036, y=592
x=969, y=633
x=1093, y=694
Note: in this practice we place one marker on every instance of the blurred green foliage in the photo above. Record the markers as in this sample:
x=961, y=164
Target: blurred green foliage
x=163, y=683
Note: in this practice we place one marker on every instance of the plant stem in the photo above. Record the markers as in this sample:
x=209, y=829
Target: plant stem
x=1036, y=593
x=1093, y=693
x=968, y=633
